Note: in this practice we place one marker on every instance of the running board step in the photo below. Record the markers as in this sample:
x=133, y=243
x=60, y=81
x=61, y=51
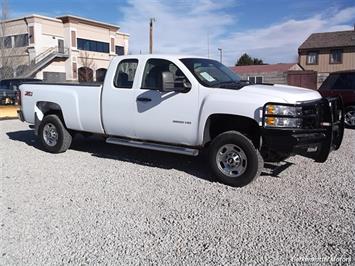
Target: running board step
x=153, y=146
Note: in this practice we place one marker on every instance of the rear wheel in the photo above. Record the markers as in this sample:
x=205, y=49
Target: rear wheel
x=54, y=136
x=234, y=159
x=349, y=118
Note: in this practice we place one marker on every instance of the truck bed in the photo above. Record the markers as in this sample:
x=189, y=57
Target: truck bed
x=80, y=104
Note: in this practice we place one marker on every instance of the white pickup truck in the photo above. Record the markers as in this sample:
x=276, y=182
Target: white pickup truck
x=185, y=104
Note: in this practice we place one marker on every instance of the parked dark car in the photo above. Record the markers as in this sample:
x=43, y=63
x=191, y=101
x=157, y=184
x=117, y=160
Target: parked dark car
x=9, y=89
x=342, y=84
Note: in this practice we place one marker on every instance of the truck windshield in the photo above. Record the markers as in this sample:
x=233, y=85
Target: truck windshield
x=212, y=73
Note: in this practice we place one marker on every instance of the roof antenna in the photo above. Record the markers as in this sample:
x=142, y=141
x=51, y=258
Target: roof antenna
x=208, y=44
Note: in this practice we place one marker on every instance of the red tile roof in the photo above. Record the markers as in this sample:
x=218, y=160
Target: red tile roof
x=262, y=68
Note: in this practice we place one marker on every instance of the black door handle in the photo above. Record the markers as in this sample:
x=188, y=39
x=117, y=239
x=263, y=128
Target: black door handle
x=143, y=99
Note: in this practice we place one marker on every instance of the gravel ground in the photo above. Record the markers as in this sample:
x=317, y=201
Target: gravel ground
x=100, y=203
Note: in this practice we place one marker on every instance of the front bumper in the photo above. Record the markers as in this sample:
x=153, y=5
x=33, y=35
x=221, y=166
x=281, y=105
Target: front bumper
x=321, y=132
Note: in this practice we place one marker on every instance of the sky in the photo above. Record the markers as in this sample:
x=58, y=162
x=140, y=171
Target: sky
x=270, y=30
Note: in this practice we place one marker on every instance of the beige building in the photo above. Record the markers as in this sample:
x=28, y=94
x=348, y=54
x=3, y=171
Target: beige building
x=58, y=49
x=282, y=73
x=328, y=52
x=275, y=73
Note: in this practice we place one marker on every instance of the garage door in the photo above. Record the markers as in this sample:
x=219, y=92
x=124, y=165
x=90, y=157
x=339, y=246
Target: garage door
x=305, y=79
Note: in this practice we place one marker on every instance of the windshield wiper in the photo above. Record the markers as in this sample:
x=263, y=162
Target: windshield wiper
x=233, y=84
x=225, y=84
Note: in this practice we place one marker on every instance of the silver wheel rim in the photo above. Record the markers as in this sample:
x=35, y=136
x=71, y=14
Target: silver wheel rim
x=231, y=160
x=349, y=118
x=50, y=134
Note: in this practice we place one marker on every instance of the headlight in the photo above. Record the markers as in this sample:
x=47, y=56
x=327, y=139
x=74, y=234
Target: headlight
x=282, y=116
x=272, y=109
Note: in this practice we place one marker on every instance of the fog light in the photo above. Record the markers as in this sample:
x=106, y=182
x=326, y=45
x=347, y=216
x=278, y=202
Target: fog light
x=283, y=122
x=270, y=121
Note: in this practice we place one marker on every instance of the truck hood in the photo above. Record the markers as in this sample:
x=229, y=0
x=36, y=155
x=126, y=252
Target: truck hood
x=290, y=94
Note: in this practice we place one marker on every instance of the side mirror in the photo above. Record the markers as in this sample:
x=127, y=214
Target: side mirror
x=187, y=85
x=167, y=81
x=170, y=84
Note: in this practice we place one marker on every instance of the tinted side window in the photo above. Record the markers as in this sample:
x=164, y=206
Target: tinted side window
x=5, y=85
x=329, y=83
x=345, y=81
x=152, y=77
x=125, y=73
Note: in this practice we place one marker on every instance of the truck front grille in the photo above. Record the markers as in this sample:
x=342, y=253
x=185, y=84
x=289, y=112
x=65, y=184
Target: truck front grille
x=311, y=116
x=326, y=110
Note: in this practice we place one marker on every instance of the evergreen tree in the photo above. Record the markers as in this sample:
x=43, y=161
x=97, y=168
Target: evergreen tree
x=246, y=59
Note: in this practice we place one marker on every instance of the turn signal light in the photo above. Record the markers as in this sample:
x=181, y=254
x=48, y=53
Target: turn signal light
x=270, y=121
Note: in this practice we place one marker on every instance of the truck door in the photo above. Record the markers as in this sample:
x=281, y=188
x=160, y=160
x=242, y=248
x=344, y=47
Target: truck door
x=118, y=98
x=169, y=117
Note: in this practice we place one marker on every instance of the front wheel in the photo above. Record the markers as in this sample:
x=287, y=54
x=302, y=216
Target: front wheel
x=349, y=118
x=54, y=136
x=234, y=159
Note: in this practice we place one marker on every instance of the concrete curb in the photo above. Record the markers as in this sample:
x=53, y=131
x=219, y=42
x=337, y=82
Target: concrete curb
x=8, y=118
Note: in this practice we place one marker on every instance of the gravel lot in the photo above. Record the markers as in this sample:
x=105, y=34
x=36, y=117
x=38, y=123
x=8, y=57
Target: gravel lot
x=100, y=203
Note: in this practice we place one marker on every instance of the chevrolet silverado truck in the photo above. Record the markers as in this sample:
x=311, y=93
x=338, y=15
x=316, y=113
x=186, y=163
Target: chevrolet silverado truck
x=185, y=105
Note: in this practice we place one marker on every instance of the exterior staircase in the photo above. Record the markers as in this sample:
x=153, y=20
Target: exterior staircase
x=44, y=59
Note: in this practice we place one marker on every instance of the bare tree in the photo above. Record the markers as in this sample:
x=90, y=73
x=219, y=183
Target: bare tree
x=12, y=58
x=6, y=70
x=88, y=66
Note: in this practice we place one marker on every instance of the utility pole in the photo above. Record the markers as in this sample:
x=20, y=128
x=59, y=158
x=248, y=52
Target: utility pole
x=208, y=45
x=220, y=54
x=151, y=35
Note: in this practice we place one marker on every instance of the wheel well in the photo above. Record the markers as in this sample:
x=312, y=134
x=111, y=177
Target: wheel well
x=50, y=108
x=219, y=123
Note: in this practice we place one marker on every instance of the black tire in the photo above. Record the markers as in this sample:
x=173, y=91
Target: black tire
x=347, y=112
x=250, y=166
x=63, y=139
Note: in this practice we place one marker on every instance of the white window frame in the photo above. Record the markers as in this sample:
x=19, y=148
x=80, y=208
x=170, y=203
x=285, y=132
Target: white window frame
x=310, y=55
x=331, y=56
x=262, y=79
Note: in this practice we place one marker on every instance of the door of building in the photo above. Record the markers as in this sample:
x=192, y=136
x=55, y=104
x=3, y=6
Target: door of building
x=61, y=46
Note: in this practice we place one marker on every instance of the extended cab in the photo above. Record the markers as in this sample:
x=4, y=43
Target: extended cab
x=183, y=105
